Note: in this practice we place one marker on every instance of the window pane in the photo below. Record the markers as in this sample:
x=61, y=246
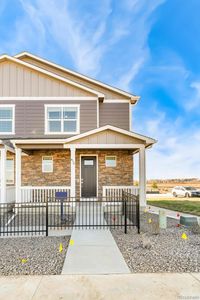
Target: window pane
x=70, y=113
x=111, y=161
x=88, y=162
x=10, y=171
x=5, y=126
x=69, y=126
x=54, y=126
x=5, y=113
x=54, y=113
x=47, y=164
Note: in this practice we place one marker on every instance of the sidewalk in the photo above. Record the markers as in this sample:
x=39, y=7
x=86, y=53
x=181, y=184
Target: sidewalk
x=94, y=251
x=163, y=286
x=169, y=213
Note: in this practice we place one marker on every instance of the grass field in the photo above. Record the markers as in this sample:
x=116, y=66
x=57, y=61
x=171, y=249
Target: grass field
x=185, y=206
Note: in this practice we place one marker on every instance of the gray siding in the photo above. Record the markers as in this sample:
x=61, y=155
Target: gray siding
x=30, y=117
x=116, y=114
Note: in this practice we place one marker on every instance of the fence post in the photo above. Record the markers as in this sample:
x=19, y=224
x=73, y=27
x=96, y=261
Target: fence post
x=125, y=217
x=47, y=219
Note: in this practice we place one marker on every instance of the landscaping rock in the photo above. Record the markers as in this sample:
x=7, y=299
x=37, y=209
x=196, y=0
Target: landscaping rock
x=165, y=251
x=32, y=255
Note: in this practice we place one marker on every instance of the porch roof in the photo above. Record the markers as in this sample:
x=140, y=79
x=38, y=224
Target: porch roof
x=101, y=138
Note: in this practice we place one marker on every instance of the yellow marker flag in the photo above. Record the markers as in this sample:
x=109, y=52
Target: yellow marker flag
x=150, y=221
x=71, y=242
x=184, y=236
x=23, y=260
x=60, y=247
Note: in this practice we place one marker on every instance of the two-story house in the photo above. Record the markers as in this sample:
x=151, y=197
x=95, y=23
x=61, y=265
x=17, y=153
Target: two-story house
x=61, y=130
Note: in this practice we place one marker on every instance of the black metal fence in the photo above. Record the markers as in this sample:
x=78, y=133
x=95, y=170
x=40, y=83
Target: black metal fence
x=58, y=214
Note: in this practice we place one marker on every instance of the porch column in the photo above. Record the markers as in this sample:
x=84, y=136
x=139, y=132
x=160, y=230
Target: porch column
x=73, y=171
x=18, y=154
x=142, y=176
x=3, y=175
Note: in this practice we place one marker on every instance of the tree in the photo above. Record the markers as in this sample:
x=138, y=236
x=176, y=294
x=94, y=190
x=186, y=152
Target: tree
x=154, y=185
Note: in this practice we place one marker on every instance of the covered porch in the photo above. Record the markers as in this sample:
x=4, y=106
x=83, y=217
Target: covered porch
x=107, y=153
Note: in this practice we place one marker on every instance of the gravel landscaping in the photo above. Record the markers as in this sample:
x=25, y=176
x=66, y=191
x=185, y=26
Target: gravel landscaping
x=164, y=251
x=32, y=255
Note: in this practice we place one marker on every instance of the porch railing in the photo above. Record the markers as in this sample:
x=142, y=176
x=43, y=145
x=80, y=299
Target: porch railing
x=41, y=193
x=110, y=192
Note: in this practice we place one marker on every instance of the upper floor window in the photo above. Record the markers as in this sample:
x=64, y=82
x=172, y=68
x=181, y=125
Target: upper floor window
x=7, y=114
x=62, y=119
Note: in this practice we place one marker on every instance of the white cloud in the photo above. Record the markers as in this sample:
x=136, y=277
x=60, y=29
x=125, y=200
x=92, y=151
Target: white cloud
x=73, y=33
x=176, y=154
x=195, y=101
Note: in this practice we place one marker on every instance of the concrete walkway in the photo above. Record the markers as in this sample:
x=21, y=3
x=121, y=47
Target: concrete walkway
x=93, y=251
x=139, y=286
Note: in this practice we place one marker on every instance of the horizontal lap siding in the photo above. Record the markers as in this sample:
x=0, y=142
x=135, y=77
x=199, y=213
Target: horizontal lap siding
x=116, y=114
x=30, y=117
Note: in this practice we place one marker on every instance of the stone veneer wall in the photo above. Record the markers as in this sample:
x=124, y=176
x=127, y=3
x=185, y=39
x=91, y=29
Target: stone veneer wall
x=32, y=174
x=122, y=174
x=32, y=168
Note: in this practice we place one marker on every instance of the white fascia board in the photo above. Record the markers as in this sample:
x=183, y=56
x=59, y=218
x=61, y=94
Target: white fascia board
x=37, y=141
x=133, y=97
x=34, y=98
x=18, y=61
x=104, y=146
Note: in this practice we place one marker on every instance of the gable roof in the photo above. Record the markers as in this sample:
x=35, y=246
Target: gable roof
x=148, y=141
x=5, y=57
x=132, y=97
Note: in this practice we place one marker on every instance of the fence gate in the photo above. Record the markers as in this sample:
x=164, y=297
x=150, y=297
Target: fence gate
x=41, y=218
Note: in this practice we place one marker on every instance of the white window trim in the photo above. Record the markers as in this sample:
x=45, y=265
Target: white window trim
x=13, y=119
x=62, y=105
x=43, y=171
x=114, y=156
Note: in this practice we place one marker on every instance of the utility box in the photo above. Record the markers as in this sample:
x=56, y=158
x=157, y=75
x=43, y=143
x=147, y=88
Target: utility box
x=162, y=219
x=188, y=221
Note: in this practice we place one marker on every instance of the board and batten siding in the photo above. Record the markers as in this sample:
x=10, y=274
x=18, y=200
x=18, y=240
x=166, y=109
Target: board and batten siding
x=115, y=114
x=30, y=117
x=17, y=80
x=109, y=94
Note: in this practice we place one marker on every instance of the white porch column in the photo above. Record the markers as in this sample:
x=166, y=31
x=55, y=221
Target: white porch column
x=3, y=175
x=18, y=154
x=142, y=176
x=73, y=171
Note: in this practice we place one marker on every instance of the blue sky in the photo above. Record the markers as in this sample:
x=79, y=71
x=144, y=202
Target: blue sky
x=150, y=48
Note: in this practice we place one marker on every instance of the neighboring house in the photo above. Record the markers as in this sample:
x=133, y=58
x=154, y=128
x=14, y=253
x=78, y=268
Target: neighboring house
x=60, y=130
